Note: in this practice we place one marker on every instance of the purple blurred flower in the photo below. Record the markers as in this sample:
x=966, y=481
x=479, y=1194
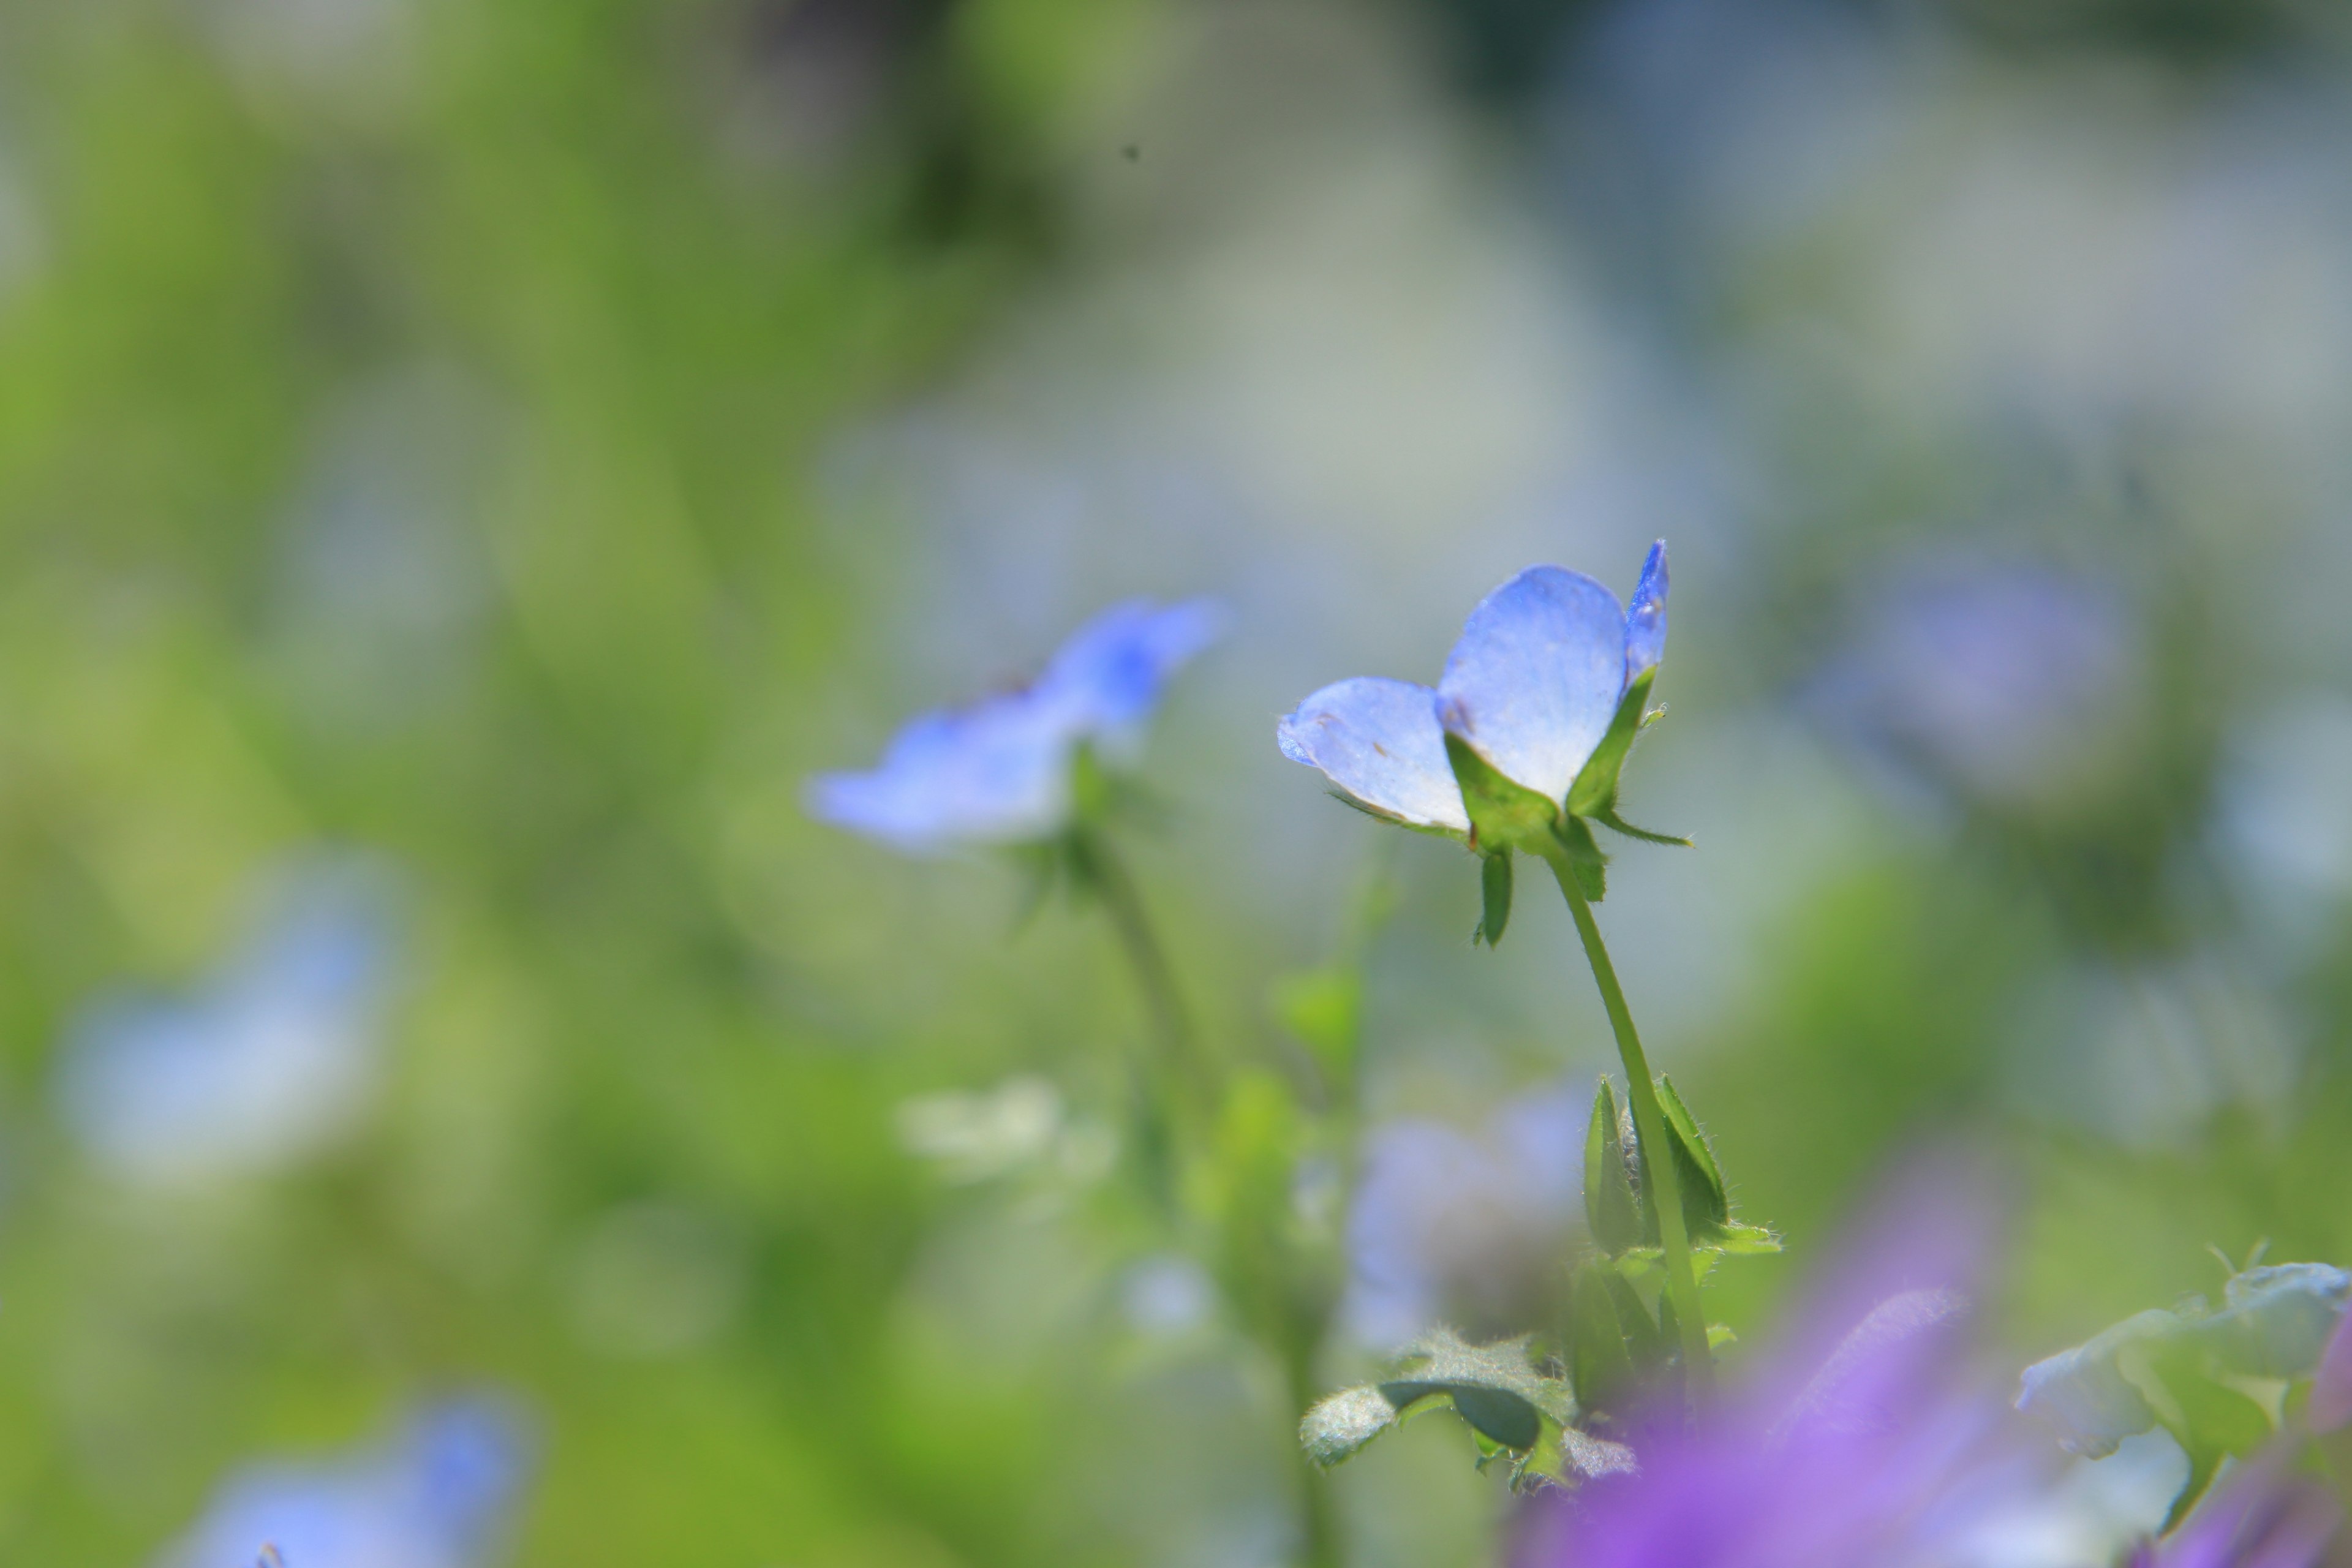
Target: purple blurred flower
x=2331, y=1386
x=2258, y=1518
x=998, y=772
x=2007, y=686
x=438, y=1496
x=270, y=1061
x=1542, y=664
x=1852, y=1446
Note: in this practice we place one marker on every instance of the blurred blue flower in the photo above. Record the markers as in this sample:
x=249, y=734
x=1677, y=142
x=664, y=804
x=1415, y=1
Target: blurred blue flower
x=999, y=772
x=439, y=1495
x=1445, y=1225
x=270, y=1061
x=1850, y=1447
x=1543, y=663
x=2006, y=686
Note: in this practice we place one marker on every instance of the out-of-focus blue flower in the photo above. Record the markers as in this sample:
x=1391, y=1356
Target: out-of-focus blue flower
x=2274, y=1323
x=2258, y=1518
x=1851, y=1447
x=999, y=772
x=1531, y=686
x=2007, y=686
x=270, y=1061
x=1442, y=1218
x=439, y=1495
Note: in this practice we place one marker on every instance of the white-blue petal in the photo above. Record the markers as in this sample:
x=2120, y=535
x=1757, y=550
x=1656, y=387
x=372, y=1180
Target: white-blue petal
x=1380, y=741
x=997, y=772
x=1112, y=670
x=1645, y=617
x=1536, y=678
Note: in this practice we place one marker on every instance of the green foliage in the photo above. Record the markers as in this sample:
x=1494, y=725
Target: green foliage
x=1612, y=1213
x=1494, y=897
x=1512, y=1409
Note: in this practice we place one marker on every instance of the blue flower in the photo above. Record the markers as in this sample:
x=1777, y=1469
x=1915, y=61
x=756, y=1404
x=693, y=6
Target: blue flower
x=999, y=772
x=1544, y=687
x=437, y=1496
x=268, y=1062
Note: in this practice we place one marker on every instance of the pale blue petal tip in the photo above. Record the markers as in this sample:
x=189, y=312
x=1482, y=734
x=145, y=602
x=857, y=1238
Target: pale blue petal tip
x=1380, y=741
x=1645, y=618
x=1535, y=679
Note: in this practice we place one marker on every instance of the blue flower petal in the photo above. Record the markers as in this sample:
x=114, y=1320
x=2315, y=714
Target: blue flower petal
x=1112, y=670
x=1536, y=678
x=1645, y=617
x=1379, y=740
x=997, y=772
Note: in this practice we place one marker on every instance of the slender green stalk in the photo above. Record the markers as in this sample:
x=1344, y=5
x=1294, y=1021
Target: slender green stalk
x=1657, y=1152
x=1171, y=1025
x=1319, y=1521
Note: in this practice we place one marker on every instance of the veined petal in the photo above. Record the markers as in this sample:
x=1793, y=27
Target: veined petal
x=1536, y=678
x=1645, y=617
x=1380, y=741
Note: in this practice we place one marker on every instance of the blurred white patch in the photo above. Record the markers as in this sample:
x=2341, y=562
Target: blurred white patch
x=657, y=1279
x=272, y=1059
x=1022, y=1124
x=2283, y=827
x=1167, y=1296
x=341, y=57
x=383, y=576
x=2144, y=1053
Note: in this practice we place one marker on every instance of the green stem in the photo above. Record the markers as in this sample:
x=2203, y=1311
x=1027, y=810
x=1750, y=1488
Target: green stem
x=1318, y=1521
x=1172, y=1027
x=1650, y=1129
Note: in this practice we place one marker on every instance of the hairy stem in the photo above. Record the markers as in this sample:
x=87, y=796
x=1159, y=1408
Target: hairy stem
x=1657, y=1152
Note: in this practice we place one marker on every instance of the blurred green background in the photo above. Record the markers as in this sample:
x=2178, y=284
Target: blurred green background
x=510, y=445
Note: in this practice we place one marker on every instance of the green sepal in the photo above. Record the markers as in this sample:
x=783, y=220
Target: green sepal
x=1600, y=1362
x=1494, y=897
x=1504, y=815
x=1611, y=820
x=1706, y=1206
x=1595, y=789
x=1585, y=858
x=2211, y=1419
x=1612, y=1213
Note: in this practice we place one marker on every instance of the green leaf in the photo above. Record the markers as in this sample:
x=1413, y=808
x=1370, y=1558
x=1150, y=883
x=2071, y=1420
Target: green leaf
x=1340, y=1425
x=1595, y=789
x=1494, y=897
x=1610, y=1210
x=1494, y=1388
x=1504, y=815
x=1707, y=1208
x=1324, y=1008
